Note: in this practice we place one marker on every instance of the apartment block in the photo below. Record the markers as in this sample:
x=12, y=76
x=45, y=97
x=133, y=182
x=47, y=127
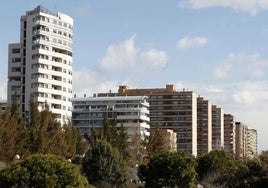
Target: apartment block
x=252, y=143
x=170, y=109
x=241, y=131
x=229, y=134
x=40, y=64
x=217, y=128
x=130, y=111
x=204, y=126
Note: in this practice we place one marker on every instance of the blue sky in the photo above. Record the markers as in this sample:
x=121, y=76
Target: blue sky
x=216, y=48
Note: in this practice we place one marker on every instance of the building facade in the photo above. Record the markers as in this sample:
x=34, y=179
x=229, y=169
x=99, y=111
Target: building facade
x=217, y=128
x=40, y=65
x=130, y=111
x=252, y=143
x=204, y=126
x=246, y=141
x=229, y=134
x=170, y=109
x=241, y=133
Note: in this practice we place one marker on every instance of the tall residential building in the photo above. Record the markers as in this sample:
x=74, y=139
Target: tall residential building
x=170, y=109
x=40, y=65
x=241, y=140
x=204, y=126
x=252, y=143
x=246, y=141
x=217, y=128
x=130, y=111
x=229, y=134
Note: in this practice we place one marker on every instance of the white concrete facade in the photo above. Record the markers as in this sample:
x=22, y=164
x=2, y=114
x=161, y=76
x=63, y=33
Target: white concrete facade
x=40, y=65
x=131, y=111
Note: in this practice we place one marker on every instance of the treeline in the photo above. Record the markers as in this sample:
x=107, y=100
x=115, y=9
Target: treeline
x=104, y=158
x=40, y=132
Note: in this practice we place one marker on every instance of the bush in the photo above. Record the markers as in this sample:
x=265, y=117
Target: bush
x=42, y=171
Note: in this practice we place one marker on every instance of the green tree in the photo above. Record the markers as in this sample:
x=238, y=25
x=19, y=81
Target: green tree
x=250, y=173
x=169, y=169
x=157, y=142
x=43, y=134
x=104, y=166
x=47, y=135
x=12, y=132
x=42, y=171
x=76, y=145
x=215, y=162
x=8, y=136
x=116, y=136
x=264, y=158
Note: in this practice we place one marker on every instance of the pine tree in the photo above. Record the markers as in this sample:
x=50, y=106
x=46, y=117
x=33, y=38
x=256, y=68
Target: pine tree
x=157, y=142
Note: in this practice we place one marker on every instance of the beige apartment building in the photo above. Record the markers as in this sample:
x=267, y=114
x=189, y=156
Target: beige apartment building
x=229, y=134
x=217, y=128
x=204, y=126
x=252, y=143
x=246, y=141
x=241, y=133
x=170, y=109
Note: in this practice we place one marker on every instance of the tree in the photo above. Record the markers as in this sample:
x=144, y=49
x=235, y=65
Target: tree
x=215, y=162
x=104, y=166
x=47, y=135
x=264, y=158
x=157, y=142
x=116, y=136
x=11, y=135
x=247, y=173
x=43, y=134
x=12, y=132
x=169, y=169
x=42, y=171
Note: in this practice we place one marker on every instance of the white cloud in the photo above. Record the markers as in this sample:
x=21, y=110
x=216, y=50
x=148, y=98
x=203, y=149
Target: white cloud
x=251, y=6
x=244, y=97
x=241, y=66
x=154, y=58
x=90, y=82
x=126, y=55
x=187, y=42
x=120, y=55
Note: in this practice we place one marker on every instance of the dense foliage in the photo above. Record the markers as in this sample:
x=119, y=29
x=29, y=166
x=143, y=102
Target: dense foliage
x=249, y=173
x=104, y=166
x=157, y=142
x=38, y=133
x=218, y=169
x=215, y=162
x=169, y=169
x=116, y=136
x=42, y=171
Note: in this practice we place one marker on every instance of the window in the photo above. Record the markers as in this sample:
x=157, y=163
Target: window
x=15, y=60
x=16, y=51
x=15, y=69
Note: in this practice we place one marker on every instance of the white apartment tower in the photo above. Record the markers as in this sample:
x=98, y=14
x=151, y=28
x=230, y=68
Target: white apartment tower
x=40, y=65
